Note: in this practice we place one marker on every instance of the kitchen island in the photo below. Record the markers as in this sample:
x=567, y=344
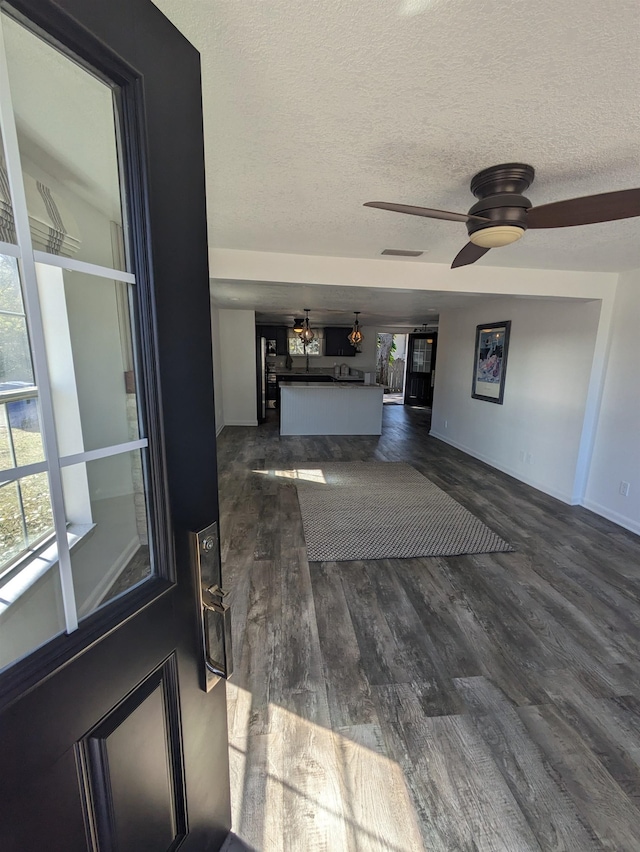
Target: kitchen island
x=330, y=408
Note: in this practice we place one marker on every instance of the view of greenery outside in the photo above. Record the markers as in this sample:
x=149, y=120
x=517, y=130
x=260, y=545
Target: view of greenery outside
x=38, y=519
x=386, y=346
x=20, y=439
x=297, y=347
x=15, y=357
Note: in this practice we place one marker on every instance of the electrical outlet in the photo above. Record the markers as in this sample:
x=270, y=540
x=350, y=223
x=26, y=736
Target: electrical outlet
x=529, y=458
x=624, y=488
x=446, y=424
x=521, y=455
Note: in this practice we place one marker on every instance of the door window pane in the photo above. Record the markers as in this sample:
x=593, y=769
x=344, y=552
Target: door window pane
x=89, y=345
x=15, y=357
x=31, y=610
x=37, y=506
x=421, y=356
x=25, y=515
x=25, y=504
x=22, y=421
x=67, y=138
x=7, y=228
x=67, y=133
x=114, y=556
x=13, y=535
x=10, y=292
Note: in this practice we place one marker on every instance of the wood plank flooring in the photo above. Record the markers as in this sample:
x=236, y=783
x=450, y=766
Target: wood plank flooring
x=464, y=704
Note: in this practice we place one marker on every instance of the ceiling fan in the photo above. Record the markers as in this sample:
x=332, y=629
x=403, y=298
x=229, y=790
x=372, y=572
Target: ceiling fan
x=503, y=214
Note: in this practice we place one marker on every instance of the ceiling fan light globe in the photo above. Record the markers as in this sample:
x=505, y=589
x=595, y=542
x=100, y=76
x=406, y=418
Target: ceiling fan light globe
x=500, y=235
x=298, y=325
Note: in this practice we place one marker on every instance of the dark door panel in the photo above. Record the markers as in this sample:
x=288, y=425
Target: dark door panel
x=132, y=769
x=107, y=737
x=421, y=364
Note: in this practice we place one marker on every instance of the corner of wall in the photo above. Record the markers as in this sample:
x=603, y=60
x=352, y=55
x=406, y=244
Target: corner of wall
x=237, y=360
x=615, y=449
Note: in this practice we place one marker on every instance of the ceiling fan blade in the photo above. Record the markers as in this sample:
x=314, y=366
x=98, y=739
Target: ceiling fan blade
x=469, y=254
x=605, y=207
x=424, y=211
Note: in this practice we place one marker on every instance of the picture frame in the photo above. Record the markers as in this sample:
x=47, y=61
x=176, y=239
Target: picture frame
x=490, y=361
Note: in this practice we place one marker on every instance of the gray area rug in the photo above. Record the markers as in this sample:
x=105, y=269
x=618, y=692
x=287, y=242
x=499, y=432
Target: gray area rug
x=384, y=510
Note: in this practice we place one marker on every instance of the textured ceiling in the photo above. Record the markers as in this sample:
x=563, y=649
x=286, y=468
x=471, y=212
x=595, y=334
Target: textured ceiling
x=313, y=108
x=334, y=305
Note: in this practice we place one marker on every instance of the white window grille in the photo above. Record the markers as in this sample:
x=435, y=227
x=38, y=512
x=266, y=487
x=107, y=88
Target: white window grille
x=69, y=462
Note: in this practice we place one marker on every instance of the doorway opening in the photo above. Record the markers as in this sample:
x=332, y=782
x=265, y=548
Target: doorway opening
x=391, y=366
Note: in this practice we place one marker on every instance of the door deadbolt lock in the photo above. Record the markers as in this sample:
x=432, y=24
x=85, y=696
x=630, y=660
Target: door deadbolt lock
x=208, y=544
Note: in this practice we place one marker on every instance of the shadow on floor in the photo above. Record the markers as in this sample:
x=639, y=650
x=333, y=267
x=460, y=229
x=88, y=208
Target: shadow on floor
x=234, y=844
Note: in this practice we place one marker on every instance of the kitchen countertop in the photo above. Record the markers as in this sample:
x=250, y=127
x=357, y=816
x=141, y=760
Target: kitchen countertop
x=337, y=384
x=290, y=373
x=284, y=372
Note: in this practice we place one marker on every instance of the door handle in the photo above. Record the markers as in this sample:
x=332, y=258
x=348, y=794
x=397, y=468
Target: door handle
x=212, y=599
x=213, y=615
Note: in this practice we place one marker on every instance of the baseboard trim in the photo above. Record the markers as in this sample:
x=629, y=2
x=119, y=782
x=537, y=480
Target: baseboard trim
x=552, y=492
x=219, y=429
x=241, y=423
x=610, y=515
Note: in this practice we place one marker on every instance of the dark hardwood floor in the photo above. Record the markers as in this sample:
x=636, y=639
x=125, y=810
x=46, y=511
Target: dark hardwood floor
x=466, y=703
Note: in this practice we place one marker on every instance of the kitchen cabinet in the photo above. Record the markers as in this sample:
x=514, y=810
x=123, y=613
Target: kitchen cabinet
x=336, y=342
x=274, y=332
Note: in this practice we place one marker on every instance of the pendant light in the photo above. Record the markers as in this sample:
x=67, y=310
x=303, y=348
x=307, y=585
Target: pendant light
x=356, y=337
x=307, y=334
x=298, y=325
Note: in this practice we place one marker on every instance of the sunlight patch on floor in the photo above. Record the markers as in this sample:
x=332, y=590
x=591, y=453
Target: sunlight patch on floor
x=302, y=786
x=309, y=475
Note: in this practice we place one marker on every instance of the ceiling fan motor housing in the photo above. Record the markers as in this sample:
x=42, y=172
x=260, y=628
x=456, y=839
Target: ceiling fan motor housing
x=499, y=190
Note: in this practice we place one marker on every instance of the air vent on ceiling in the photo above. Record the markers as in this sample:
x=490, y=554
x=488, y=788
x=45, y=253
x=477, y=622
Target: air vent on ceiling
x=402, y=253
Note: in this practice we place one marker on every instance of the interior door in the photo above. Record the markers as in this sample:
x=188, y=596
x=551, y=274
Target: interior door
x=112, y=729
x=421, y=361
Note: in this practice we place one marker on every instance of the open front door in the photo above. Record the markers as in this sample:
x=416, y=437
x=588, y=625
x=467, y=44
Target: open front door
x=112, y=709
x=421, y=365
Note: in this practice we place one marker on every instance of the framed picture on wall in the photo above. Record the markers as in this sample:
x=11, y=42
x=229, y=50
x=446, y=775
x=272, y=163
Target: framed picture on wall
x=490, y=361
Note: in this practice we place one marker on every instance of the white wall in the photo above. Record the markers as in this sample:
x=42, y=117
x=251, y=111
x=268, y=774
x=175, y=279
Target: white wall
x=548, y=373
x=370, y=273
x=616, y=454
x=237, y=334
x=217, y=368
